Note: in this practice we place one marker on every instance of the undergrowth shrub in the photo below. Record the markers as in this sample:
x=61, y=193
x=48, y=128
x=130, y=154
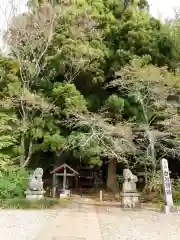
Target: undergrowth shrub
x=153, y=191
x=176, y=191
x=13, y=183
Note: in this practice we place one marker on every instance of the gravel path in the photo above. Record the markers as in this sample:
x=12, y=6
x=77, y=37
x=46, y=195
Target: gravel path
x=22, y=224
x=84, y=221
x=77, y=222
x=116, y=224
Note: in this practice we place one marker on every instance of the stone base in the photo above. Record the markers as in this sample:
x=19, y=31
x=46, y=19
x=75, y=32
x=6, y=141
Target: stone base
x=65, y=194
x=169, y=209
x=34, y=195
x=130, y=200
x=129, y=187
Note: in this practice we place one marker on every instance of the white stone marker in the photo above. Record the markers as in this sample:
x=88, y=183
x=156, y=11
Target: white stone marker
x=168, y=200
x=100, y=195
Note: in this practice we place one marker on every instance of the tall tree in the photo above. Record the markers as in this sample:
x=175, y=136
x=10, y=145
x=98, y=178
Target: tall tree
x=79, y=88
x=152, y=90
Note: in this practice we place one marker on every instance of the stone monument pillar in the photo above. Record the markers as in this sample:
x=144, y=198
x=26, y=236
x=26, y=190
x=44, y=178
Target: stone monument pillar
x=168, y=200
x=35, y=189
x=130, y=196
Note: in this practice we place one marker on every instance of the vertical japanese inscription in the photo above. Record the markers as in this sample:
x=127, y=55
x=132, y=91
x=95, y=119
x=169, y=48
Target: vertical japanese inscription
x=166, y=183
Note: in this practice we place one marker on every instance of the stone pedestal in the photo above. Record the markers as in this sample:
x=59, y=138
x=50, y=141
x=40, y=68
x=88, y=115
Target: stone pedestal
x=65, y=194
x=34, y=195
x=169, y=209
x=130, y=199
x=129, y=187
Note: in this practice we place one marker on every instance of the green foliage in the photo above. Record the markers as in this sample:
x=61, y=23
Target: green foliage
x=8, y=138
x=68, y=98
x=176, y=190
x=13, y=183
x=155, y=183
x=90, y=79
x=54, y=141
x=154, y=190
x=84, y=146
x=115, y=106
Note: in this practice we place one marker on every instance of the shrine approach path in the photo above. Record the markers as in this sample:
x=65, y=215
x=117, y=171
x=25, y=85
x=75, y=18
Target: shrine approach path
x=84, y=221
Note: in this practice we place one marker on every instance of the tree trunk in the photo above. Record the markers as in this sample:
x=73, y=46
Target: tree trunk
x=152, y=150
x=112, y=179
x=28, y=158
x=22, y=154
x=22, y=144
x=24, y=160
x=150, y=138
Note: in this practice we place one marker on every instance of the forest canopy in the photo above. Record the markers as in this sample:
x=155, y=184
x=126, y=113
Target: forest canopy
x=86, y=80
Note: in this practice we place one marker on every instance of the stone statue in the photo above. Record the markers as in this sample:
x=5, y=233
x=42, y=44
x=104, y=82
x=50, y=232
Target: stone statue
x=36, y=183
x=129, y=177
x=129, y=195
x=35, y=186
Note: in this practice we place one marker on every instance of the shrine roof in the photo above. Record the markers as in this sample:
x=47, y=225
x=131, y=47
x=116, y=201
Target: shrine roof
x=60, y=168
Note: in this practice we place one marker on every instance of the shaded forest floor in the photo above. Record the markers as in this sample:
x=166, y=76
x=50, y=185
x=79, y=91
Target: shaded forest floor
x=109, y=199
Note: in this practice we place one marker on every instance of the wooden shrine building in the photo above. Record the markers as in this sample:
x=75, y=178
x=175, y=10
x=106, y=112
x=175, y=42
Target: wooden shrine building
x=64, y=177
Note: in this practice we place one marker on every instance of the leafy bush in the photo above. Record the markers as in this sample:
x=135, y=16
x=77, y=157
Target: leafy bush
x=13, y=183
x=176, y=191
x=154, y=184
x=176, y=197
x=176, y=184
x=22, y=203
x=154, y=190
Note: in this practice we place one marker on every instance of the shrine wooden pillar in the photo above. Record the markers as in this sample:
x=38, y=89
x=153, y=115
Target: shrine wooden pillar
x=76, y=182
x=54, y=185
x=64, y=179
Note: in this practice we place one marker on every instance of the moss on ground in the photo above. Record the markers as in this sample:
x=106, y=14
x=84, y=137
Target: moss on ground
x=19, y=203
